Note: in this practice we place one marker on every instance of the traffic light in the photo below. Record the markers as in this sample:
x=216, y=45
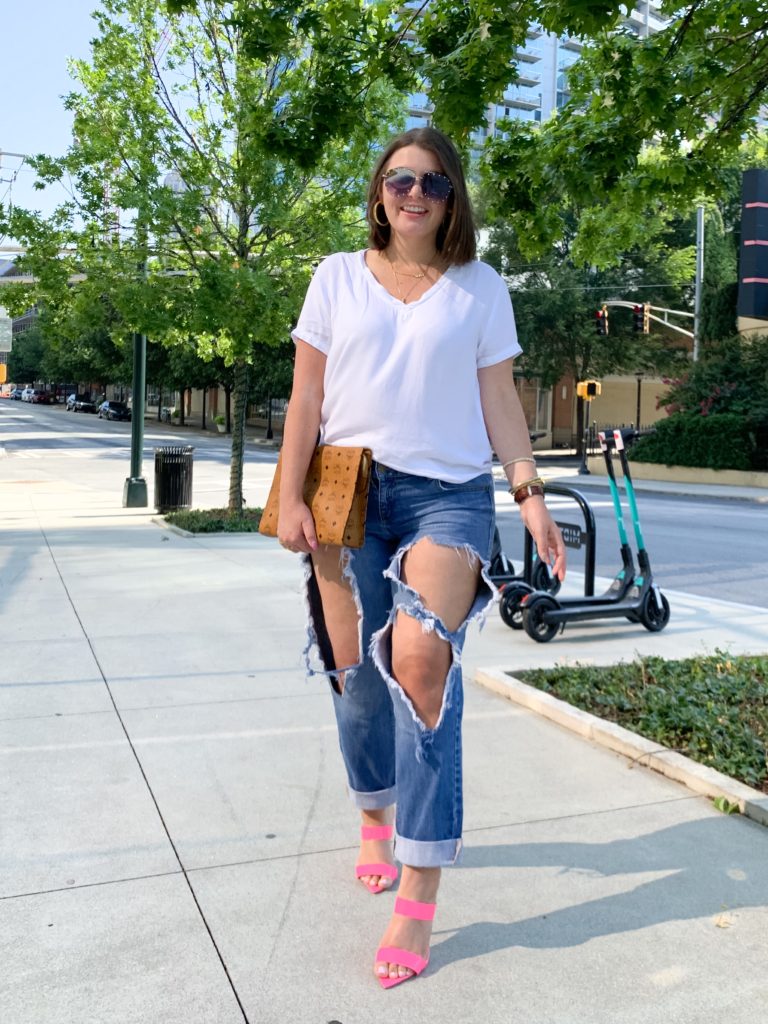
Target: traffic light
x=641, y=318
x=601, y=320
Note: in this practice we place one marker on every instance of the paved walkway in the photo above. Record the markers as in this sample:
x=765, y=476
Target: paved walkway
x=176, y=846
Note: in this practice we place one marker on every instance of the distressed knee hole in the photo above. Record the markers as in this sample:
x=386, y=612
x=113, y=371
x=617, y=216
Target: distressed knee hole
x=421, y=660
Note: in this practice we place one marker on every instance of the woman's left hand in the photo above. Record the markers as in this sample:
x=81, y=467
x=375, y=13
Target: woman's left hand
x=546, y=534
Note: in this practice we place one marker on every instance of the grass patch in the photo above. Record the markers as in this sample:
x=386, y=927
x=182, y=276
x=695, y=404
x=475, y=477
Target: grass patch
x=215, y=520
x=712, y=709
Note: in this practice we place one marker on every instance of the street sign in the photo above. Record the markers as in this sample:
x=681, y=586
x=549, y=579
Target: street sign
x=573, y=535
x=6, y=330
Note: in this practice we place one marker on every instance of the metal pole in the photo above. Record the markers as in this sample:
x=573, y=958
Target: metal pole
x=639, y=379
x=135, y=486
x=699, y=281
x=584, y=469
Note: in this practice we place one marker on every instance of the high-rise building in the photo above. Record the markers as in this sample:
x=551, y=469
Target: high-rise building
x=542, y=75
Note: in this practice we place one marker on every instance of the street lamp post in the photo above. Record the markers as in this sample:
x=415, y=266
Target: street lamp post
x=135, y=486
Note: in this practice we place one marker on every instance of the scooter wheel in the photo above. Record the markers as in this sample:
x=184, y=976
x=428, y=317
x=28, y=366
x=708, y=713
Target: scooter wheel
x=510, y=606
x=543, y=579
x=535, y=625
x=653, y=617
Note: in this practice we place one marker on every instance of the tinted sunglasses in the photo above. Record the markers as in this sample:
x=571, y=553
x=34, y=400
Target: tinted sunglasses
x=434, y=186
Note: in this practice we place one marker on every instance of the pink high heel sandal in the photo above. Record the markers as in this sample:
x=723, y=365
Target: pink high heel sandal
x=404, y=957
x=387, y=870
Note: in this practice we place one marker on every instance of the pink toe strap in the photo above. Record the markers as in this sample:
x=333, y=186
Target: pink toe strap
x=388, y=870
x=376, y=831
x=414, y=909
x=401, y=957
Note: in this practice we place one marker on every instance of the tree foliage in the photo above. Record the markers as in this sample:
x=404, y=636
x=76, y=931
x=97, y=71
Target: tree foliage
x=223, y=151
x=718, y=410
x=694, y=89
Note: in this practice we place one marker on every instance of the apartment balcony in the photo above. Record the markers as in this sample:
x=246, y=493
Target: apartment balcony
x=534, y=32
x=569, y=43
x=656, y=24
x=418, y=103
x=525, y=77
x=529, y=55
x=521, y=99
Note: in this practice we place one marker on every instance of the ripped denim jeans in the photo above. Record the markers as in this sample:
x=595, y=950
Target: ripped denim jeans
x=389, y=754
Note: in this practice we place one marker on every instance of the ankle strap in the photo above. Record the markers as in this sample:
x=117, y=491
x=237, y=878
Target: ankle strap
x=375, y=831
x=412, y=908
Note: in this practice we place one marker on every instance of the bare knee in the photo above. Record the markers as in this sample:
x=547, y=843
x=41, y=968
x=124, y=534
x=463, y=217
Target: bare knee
x=422, y=676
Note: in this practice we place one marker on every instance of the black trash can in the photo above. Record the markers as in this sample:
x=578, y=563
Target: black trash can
x=173, y=477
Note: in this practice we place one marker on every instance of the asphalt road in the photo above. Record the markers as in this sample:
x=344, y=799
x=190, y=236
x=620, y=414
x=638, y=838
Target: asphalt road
x=704, y=546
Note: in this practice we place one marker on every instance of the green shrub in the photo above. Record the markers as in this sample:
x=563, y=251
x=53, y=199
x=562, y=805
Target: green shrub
x=216, y=520
x=730, y=380
x=713, y=709
x=717, y=441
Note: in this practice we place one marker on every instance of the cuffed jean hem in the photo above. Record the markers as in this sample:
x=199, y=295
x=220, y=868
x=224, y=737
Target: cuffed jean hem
x=414, y=853
x=374, y=801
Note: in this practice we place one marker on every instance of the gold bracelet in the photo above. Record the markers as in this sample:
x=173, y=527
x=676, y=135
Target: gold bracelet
x=523, y=458
x=537, y=480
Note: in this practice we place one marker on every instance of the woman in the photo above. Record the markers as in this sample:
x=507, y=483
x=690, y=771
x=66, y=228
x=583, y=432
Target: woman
x=406, y=348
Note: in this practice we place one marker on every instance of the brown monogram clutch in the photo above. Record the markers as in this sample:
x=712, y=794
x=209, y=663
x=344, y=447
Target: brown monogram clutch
x=336, y=491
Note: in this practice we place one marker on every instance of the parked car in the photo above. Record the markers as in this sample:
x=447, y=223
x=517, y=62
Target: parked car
x=40, y=397
x=26, y=394
x=16, y=394
x=114, y=411
x=80, y=403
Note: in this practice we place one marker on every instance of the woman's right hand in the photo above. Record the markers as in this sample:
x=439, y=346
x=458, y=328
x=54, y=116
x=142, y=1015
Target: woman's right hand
x=296, y=527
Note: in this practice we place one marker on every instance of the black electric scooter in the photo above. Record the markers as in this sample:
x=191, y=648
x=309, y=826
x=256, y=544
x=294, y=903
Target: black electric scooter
x=632, y=594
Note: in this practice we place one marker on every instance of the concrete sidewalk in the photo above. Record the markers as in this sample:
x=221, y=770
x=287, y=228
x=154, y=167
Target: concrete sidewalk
x=177, y=846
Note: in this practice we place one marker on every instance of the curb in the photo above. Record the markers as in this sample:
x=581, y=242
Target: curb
x=160, y=521
x=697, y=777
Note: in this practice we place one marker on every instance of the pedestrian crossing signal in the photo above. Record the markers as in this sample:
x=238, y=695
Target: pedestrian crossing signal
x=588, y=389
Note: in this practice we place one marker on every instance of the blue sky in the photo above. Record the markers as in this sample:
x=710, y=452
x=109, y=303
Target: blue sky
x=36, y=40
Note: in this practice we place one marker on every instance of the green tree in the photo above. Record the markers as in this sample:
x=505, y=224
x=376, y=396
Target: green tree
x=555, y=304
x=694, y=90
x=232, y=156
x=26, y=359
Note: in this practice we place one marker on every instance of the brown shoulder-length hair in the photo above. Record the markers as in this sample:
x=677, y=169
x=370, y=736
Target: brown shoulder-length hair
x=456, y=236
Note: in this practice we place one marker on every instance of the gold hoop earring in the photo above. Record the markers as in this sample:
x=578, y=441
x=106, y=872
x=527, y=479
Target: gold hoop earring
x=382, y=223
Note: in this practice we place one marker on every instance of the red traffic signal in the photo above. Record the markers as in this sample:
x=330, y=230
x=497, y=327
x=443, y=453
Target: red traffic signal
x=638, y=319
x=601, y=321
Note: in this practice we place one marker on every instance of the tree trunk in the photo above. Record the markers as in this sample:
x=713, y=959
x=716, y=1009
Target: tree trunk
x=242, y=374
x=182, y=395
x=228, y=407
x=205, y=392
x=159, y=404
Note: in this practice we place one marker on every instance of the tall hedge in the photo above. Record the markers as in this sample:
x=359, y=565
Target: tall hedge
x=717, y=441
x=718, y=411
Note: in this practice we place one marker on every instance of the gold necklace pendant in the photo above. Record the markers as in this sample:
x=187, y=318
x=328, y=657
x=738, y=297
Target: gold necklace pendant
x=398, y=274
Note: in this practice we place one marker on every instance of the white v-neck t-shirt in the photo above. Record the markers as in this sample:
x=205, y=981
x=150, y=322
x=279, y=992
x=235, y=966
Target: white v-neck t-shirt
x=401, y=379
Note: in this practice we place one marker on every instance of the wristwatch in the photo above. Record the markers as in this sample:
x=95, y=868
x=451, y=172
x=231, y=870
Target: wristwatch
x=527, y=491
